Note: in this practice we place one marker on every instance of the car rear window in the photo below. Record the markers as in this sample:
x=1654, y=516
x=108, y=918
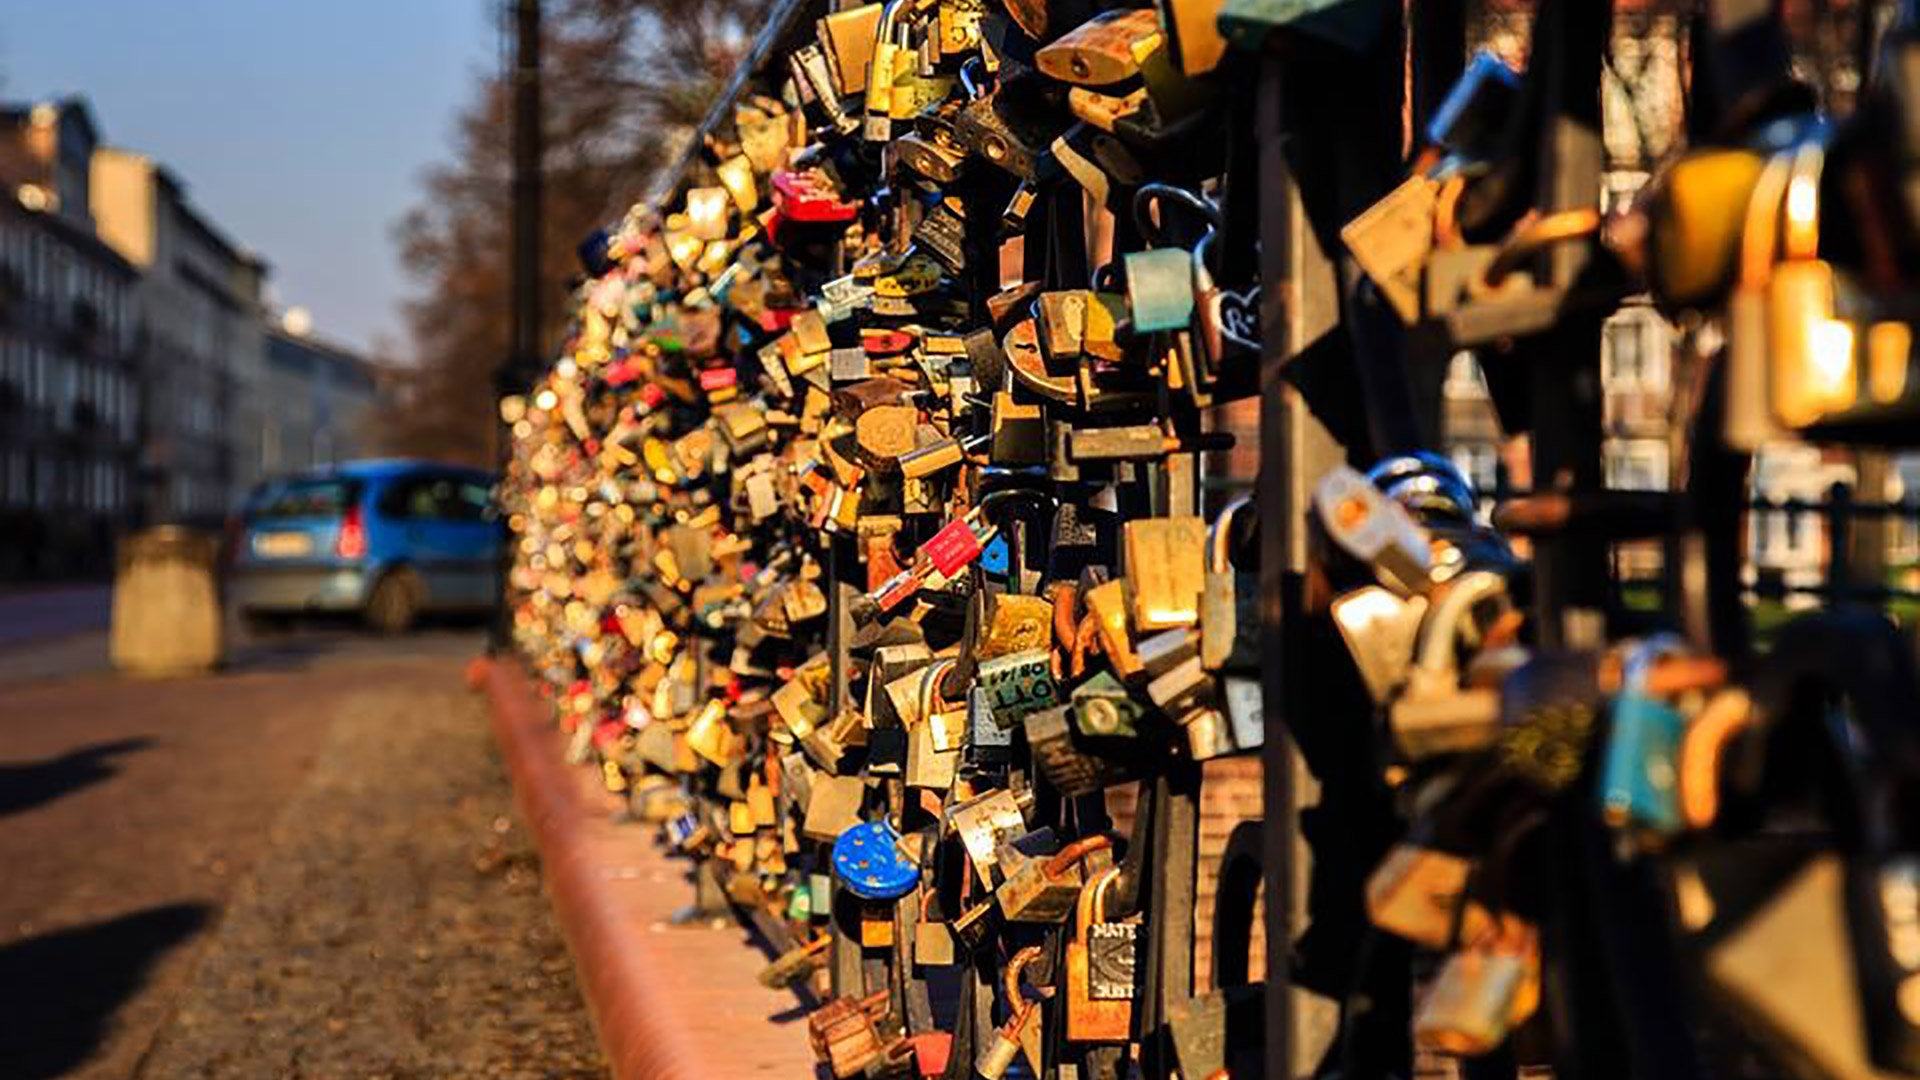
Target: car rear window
x=306, y=499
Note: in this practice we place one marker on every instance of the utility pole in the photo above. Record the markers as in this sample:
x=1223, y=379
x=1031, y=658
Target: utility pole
x=523, y=351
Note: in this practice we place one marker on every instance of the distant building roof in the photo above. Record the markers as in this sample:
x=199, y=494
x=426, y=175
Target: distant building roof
x=82, y=240
x=305, y=354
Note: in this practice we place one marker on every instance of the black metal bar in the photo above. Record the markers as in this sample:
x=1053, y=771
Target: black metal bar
x=523, y=351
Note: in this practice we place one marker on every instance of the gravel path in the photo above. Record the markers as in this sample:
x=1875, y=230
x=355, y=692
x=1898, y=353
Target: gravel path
x=394, y=926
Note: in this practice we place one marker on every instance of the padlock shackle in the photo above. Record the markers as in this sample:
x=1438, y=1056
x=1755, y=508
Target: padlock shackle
x=1441, y=627
x=1536, y=233
x=1092, y=905
x=929, y=688
x=1800, y=209
x=1219, y=534
x=968, y=81
x=1146, y=196
x=1064, y=860
x=1760, y=233
x=1643, y=654
x=1703, y=746
x=1016, y=970
x=1085, y=636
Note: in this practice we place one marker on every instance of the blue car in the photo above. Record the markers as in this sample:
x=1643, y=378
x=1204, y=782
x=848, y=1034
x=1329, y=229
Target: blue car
x=389, y=540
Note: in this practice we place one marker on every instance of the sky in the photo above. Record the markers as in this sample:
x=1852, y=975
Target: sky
x=300, y=127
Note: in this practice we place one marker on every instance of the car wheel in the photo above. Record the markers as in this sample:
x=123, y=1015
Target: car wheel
x=395, y=602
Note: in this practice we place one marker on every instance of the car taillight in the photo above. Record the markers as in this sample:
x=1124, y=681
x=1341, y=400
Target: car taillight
x=352, y=542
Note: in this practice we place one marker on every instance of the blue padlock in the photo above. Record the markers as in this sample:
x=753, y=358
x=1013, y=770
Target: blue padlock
x=868, y=862
x=996, y=557
x=1639, y=777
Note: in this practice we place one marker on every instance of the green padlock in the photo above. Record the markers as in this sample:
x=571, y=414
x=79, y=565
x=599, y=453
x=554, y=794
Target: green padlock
x=1160, y=289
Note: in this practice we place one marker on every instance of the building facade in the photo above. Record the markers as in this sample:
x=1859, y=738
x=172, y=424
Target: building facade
x=201, y=340
x=322, y=398
x=70, y=410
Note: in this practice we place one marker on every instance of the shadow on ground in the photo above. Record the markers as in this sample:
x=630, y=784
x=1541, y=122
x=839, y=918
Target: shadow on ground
x=24, y=787
x=59, y=991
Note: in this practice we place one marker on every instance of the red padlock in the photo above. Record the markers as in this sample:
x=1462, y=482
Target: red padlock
x=953, y=547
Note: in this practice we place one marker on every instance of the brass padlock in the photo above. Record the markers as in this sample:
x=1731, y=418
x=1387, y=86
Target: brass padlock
x=933, y=943
x=1044, y=888
x=1420, y=894
x=1166, y=570
x=1229, y=621
x=833, y=806
x=1100, y=968
x=1811, y=353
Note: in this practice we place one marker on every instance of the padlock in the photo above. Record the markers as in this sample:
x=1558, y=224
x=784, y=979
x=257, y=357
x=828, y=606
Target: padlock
x=1373, y=529
x=1021, y=1034
x=982, y=822
x=1420, y=894
x=933, y=944
x=844, y=1034
x=1809, y=351
x=1160, y=289
x=1380, y=628
x=1012, y=126
x=1229, y=619
x=1043, y=888
x=1071, y=770
x=1101, y=51
x=1549, y=709
x=1100, y=968
x=937, y=734
x=1483, y=991
x=975, y=927
x=1434, y=713
x=833, y=806
x=1015, y=623
x=796, y=964
x=1640, y=770
x=1166, y=570
x=1018, y=684
x=848, y=37
x=892, y=48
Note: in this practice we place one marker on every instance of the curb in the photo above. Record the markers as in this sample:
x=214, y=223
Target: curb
x=667, y=1002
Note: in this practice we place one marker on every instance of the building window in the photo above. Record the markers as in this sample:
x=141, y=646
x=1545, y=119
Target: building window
x=1637, y=465
x=1464, y=379
x=1480, y=463
x=1635, y=356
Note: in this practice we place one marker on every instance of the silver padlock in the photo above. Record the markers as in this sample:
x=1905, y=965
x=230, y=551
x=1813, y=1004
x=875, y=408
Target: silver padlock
x=1434, y=713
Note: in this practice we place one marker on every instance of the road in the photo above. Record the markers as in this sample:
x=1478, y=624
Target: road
x=305, y=866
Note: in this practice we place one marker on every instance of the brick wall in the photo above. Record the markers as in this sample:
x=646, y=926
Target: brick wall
x=1229, y=794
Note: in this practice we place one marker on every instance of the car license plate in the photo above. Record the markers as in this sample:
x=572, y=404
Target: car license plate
x=281, y=545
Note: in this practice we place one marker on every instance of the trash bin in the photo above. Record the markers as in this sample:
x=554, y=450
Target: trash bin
x=166, y=603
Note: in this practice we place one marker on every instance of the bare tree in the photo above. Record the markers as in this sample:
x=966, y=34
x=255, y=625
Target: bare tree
x=620, y=76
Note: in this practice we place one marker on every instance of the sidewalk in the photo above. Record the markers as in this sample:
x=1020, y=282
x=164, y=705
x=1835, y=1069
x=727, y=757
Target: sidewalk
x=670, y=1003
